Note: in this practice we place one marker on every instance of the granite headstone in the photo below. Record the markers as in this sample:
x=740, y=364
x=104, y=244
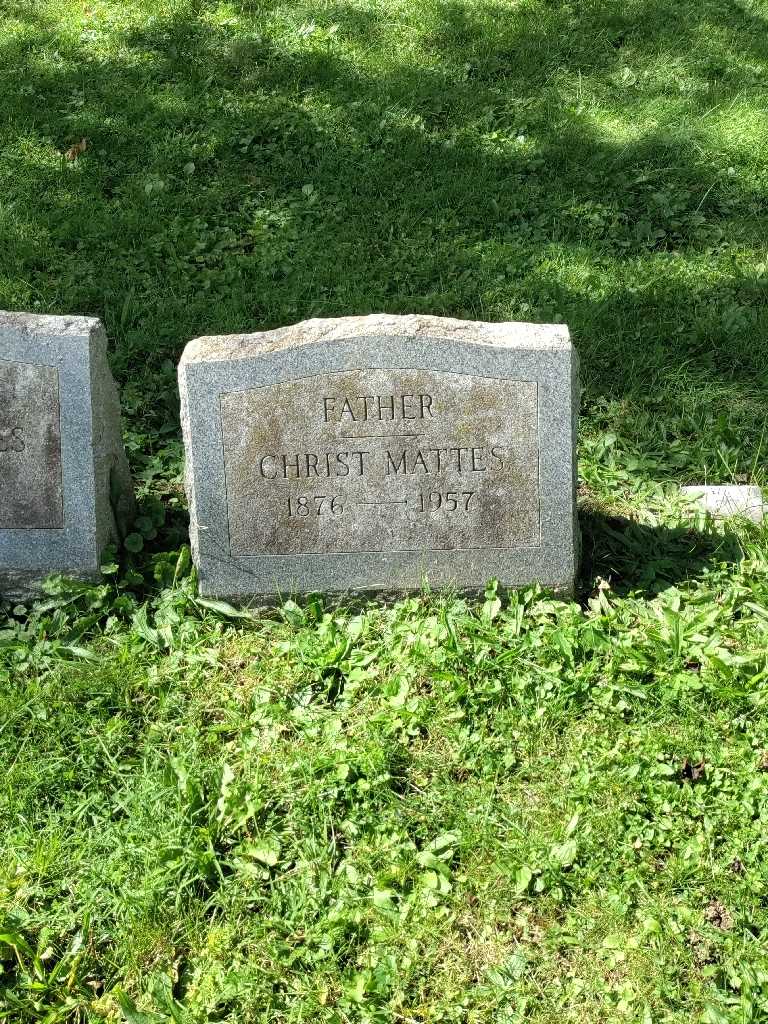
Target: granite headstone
x=65, y=487
x=381, y=453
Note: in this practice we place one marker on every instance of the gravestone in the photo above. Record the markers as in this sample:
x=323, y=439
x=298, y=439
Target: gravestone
x=381, y=453
x=65, y=488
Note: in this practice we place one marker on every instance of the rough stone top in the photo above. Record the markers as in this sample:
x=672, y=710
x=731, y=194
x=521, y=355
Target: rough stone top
x=38, y=323
x=221, y=348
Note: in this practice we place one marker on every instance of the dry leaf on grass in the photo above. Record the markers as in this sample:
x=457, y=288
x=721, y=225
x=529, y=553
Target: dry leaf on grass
x=718, y=915
x=74, y=151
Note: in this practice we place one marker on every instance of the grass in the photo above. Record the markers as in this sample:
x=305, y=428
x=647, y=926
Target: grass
x=523, y=809
x=511, y=810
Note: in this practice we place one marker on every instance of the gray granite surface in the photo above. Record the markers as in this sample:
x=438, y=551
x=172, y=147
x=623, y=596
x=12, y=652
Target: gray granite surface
x=65, y=487
x=381, y=453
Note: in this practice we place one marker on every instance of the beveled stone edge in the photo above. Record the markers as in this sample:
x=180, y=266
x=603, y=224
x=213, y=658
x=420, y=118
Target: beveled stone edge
x=264, y=605
x=42, y=323
x=510, y=334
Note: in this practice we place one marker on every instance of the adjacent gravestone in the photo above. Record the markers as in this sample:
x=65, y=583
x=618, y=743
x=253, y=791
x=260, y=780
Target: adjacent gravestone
x=65, y=488
x=381, y=453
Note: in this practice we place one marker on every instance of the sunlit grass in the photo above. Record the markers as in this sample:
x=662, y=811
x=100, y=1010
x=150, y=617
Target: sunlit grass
x=440, y=812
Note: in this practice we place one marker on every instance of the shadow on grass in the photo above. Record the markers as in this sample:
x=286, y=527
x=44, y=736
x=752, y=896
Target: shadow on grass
x=527, y=162
x=645, y=560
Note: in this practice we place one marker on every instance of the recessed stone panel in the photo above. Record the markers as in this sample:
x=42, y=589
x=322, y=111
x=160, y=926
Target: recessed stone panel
x=30, y=447
x=381, y=460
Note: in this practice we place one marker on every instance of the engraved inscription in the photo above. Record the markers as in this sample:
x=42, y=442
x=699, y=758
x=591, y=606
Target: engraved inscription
x=382, y=460
x=30, y=448
x=392, y=464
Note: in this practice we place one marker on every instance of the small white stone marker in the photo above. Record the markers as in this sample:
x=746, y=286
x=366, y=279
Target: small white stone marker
x=722, y=502
x=65, y=486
